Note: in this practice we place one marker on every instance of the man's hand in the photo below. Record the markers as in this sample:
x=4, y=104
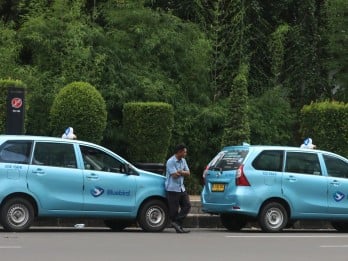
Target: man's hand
x=184, y=173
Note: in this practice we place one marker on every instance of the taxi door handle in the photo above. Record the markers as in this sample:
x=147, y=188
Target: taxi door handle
x=39, y=172
x=292, y=178
x=92, y=176
x=335, y=183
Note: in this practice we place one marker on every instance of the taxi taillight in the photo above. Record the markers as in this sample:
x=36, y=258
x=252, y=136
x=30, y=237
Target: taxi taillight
x=241, y=179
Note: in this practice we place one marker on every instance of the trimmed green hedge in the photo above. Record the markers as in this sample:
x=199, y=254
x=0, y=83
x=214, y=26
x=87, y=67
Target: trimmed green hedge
x=4, y=84
x=81, y=106
x=327, y=124
x=149, y=128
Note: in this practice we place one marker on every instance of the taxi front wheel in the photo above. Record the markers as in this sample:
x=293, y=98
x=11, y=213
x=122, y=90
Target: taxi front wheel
x=153, y=216
x=17, y=215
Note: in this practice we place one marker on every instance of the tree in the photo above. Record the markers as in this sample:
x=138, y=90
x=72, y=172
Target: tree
x=9, y=51
x=237, y=128
x=271, y=118
x=336, y=48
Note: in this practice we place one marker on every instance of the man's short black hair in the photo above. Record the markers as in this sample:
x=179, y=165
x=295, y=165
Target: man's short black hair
x=179, y=147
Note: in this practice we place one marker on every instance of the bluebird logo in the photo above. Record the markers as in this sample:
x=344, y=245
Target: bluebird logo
x=338, y=196
x=97, y=191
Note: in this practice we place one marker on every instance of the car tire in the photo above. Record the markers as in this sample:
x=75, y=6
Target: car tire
x=117, y=225
x=273, y=217
x=233, y=222
x=17, y=215
x=153, y=216
x=340, y=226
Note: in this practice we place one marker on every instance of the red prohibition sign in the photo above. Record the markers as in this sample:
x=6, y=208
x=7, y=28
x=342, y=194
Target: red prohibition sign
x=16, y=103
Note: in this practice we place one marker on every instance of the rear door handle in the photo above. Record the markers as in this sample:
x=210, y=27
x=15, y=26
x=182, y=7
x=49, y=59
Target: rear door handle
x=92, y=176
x=39, y=172
x=335, y=183
x=292, y=178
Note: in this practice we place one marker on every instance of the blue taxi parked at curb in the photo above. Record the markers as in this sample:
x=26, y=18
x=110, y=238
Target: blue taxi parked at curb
x=276, y=186
x=54, y=177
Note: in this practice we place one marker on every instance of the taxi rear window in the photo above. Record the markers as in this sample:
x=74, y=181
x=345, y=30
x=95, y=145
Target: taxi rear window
x=228, y=160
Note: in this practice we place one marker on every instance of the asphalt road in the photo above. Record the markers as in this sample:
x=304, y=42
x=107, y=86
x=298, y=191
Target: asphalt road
x=201, y=244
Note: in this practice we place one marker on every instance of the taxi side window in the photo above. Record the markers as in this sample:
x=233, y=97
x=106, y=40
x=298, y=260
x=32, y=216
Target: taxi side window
x=54, y=154
x=15, y=152
x=95, y=159
x=269, y=160
x=336, y=167
x=303, y=163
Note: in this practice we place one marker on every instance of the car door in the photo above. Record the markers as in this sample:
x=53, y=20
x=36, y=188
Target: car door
x=337, y=171
x=54, y=177
x=107, y=186
x=303, y=183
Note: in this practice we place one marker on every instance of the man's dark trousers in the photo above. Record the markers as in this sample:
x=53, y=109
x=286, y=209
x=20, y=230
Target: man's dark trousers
x=176, y=200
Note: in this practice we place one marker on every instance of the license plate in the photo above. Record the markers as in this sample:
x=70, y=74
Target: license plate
x=218, y=187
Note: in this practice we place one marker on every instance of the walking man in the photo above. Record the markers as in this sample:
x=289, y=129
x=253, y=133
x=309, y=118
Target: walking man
x=176, y=170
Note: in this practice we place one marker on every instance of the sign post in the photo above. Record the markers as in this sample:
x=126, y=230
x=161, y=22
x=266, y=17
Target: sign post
x=15, y=111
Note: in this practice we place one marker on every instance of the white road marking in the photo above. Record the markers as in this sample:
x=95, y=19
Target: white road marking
x=10, y=247
x=334, y=246
x=288, y=236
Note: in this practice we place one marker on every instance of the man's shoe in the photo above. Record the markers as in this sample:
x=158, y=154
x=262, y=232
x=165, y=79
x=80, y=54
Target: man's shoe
x=184, y=231
x=177, y=227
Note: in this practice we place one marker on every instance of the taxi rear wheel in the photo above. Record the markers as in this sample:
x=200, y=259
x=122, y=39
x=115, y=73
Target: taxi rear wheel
x=17, y=215
x=273, y=217
x=340, y=226
x=233, y=222
x=153, y=216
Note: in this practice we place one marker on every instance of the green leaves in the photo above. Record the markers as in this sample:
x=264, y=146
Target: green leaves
x=79, y=105
x=237, y=128
x=327, y=124
x=149, y=129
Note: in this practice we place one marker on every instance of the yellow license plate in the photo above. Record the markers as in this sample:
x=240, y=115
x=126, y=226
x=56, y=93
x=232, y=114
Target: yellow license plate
x=218, y=187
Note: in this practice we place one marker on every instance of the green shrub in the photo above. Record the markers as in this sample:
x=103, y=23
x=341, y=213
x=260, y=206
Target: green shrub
x=327, y=124
x=149, y=128
x=4, y=84
x=81, y=106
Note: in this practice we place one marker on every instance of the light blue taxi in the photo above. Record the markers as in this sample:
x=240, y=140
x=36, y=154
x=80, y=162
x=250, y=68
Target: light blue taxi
x=276, y=186
x=54, y=177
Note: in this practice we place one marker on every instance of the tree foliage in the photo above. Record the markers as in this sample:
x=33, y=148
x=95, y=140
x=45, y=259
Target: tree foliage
x=79, y=105
x=187, y=53
x=271, y=118
x=237, y=128
x=337, y=41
